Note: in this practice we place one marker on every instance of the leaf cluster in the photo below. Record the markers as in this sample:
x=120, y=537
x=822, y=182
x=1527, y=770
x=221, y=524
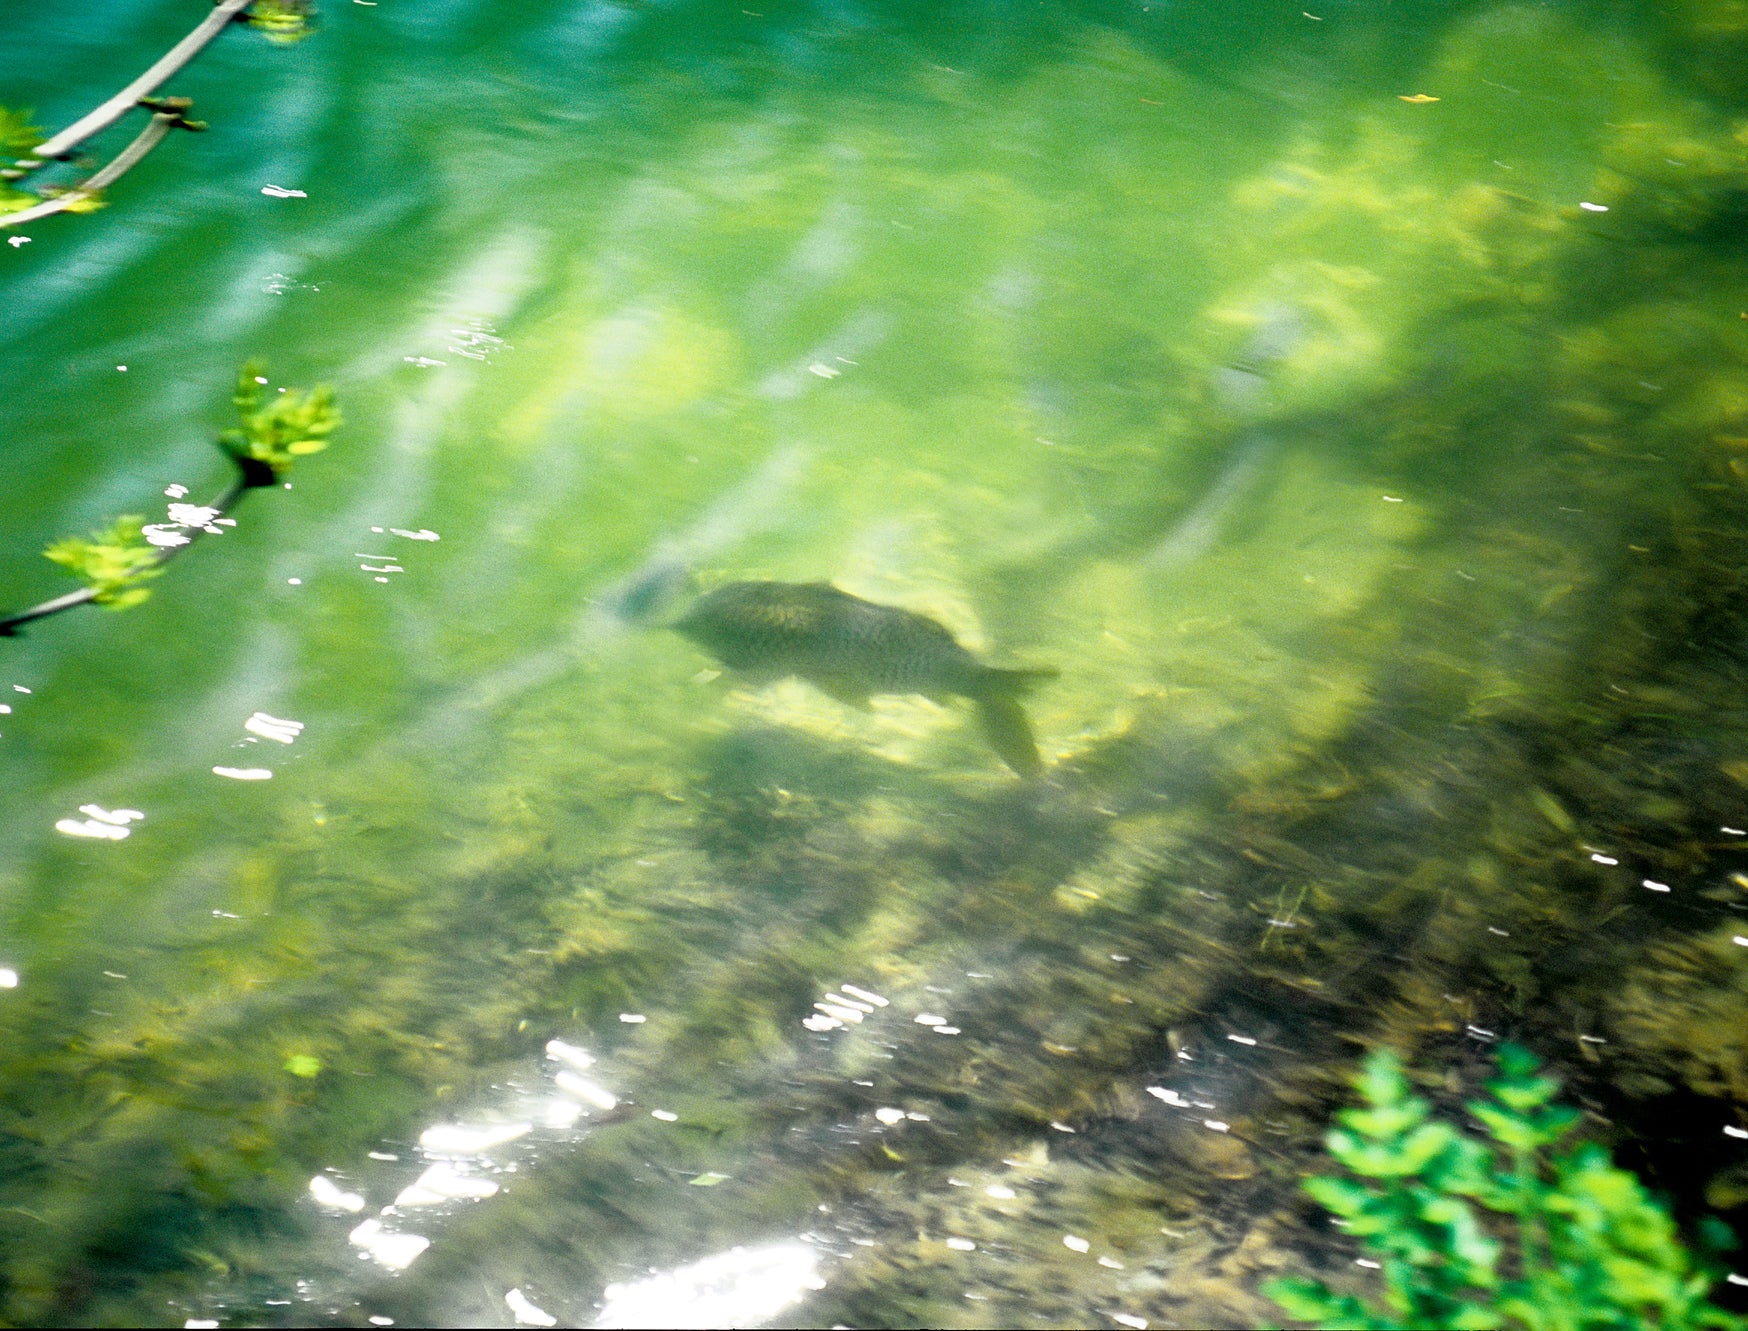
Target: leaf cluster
x=113, y=562
x=282, y=21
x=290, y=425
x=18, y=138
x=1586, y=1246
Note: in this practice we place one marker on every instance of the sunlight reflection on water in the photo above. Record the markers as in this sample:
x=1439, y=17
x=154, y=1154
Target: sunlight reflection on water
x=743, y=1287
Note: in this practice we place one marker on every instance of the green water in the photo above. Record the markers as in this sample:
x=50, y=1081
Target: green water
x=1371, y=469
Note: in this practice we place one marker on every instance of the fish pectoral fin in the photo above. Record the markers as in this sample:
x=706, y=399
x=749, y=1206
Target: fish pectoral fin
x=1010, y=732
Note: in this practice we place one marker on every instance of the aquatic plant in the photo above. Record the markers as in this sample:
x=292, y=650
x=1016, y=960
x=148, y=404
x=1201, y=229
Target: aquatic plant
x=114, y=563
x=1578, y=1243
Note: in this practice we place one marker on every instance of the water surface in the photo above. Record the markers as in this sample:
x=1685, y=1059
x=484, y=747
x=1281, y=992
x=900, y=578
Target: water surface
x=1350, y=404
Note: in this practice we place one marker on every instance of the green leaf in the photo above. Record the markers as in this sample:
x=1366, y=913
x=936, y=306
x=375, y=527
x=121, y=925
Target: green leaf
x=281, y=21
x=1342, y=1196
x=15, y=200
x=1508, y=1128
x=291, y=424
x=303, y=1065
x=1592, y=1249
x=123, y=600
x=112, y=562
x=1313, y=1301
x=18, y=137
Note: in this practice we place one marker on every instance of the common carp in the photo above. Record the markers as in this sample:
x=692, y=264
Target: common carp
x=853, y=649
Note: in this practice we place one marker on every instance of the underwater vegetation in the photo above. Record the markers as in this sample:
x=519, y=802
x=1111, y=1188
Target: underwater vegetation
x=1510, y=1229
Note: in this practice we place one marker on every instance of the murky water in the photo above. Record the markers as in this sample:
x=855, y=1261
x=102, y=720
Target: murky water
x=1351, y=404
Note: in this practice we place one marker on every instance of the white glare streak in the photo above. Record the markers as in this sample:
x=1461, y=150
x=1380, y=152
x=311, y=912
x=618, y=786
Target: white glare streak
x=441, y=1183
x=1171, y=1097
x=1129, y=1319
x=271, y=727
x=929, y=1019
x=118, y=817
x=585, y=1090
x=423, y=534
x=856, y=992
x=527, y=1313
x=570, y=1054
x=462, y=1139
x=889, y=1115
x=561, y=1113
x=395, y=1251
x=961, y=1245
x=95, y=830
x=244, y=773
x=323, y=1189
x=742, y=1287
x=1735, y=1132
x=8, y=978
x=193, y=515
x=1074, y=1243
x=102, y=824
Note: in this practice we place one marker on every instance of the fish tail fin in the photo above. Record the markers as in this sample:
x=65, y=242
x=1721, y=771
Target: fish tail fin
x=1004, y=719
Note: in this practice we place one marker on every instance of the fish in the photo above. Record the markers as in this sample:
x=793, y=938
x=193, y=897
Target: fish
x=853, y=649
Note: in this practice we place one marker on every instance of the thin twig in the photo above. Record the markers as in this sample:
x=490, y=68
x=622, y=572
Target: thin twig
x=251, y=474
x=12, y=623
x=161, y=123
x=125, y=100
